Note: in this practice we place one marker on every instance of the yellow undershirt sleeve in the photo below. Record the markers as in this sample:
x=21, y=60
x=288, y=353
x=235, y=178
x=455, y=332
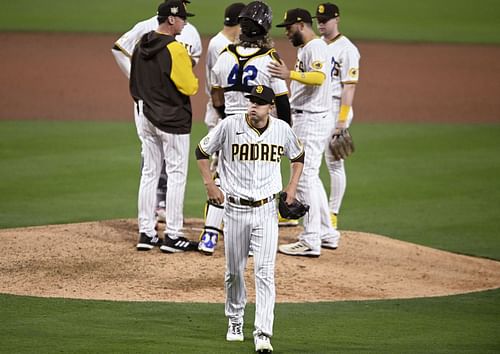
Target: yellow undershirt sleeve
x=344, y=113
x=308, y=78
x=182, y=73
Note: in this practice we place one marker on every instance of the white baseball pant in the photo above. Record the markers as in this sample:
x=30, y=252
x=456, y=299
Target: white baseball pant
x=157, y=146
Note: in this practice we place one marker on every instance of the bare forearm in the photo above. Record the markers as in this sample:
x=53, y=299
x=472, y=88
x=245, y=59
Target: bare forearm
x=296, y=172
x=204, y=167
x=348, y=93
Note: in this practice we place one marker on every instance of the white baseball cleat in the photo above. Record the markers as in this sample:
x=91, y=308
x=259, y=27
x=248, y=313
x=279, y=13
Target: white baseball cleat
x=299, y=249
x=263, y=344
x=235, y=331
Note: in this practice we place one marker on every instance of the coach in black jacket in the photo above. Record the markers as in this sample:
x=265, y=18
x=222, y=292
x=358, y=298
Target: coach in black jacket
x=161, y=81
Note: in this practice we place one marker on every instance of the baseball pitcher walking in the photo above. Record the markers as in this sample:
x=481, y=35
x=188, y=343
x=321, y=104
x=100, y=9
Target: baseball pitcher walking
x=251, y=147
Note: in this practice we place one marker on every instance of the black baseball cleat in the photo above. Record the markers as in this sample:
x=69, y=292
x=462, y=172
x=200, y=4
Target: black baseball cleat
x=180, y=244
x=147, y=243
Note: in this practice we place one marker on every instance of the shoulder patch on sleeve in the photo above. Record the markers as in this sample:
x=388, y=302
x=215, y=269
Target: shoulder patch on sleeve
x=353, y=73
x=317, y=65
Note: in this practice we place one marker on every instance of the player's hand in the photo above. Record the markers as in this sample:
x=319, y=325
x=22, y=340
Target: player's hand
x=214, y=194
x=340, y=126
x=279, y=69
x=290, y=194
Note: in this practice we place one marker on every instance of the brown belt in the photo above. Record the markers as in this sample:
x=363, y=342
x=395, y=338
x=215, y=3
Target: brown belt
x=251, y=203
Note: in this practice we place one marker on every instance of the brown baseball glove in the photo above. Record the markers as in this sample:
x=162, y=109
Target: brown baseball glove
x=341, y=144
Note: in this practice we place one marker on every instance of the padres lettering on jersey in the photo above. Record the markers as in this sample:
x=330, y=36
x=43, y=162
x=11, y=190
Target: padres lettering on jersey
x=249, y=161
x=261, y=152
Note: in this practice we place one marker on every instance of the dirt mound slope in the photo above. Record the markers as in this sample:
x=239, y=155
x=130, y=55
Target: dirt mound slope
x=98, y=260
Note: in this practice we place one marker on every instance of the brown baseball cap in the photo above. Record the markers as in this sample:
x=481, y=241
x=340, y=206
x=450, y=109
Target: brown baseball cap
x=295, y=15
x=173, y=8
x=232, y=12
x=327, y=11
x=262, y=93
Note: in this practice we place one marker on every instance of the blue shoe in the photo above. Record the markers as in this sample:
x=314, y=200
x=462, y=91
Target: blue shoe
x=207, y=243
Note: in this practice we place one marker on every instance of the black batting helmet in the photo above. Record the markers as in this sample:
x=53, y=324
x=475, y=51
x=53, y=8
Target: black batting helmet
x=260, y=14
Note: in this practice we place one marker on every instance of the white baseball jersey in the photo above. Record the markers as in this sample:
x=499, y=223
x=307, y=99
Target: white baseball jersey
x=311, y=98
x=344, y=60
x=254, y=72
x=189, y=37
x=249, y=162
x=215, y=46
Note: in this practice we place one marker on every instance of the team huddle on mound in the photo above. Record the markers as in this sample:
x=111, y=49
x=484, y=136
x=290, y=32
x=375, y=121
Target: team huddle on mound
x=253, y=120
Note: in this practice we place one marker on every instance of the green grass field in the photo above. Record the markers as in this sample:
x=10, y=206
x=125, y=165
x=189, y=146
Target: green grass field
x=426, y=20
x=435, y=185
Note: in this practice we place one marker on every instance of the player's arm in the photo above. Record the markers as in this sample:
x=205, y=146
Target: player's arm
x=210, y=144
x=122, y=60
x=218, y=101
x=291, y=189
x=182, y=74
x=346, y=102
x=279, y=69
x=283, y=108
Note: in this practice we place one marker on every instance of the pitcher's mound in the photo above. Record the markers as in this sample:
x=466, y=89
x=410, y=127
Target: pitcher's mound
x=98, y=260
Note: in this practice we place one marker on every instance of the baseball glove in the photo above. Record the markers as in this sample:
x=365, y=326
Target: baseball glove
x=296, y=210
x=341, y=144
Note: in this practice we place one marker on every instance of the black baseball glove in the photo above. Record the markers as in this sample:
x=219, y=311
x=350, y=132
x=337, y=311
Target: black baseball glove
x=341, y=144
x=296, y=210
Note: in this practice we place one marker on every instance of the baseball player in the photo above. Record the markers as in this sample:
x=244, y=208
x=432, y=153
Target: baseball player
x=161, y=81
x=344, y=58
x=251, y=146
x=122, y=52
x=310, y=102
x=237, y=70
x=229, y=34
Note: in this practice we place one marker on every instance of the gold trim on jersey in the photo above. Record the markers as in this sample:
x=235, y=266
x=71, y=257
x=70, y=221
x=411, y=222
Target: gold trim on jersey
x=247, y=118
x=334, y=38
x=123, y=50
x=203, y=151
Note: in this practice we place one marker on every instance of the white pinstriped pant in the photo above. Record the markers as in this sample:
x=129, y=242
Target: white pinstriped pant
x=338, y=180
x=244, y=225
x=313, y=130
x=156, y=147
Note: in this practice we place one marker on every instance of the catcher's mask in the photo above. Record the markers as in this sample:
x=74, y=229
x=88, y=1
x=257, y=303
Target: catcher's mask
x=255, y=21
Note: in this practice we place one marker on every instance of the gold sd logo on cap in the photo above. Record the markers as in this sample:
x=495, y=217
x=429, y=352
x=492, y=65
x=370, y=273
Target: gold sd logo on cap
x=259, y=89
x=321, y=9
